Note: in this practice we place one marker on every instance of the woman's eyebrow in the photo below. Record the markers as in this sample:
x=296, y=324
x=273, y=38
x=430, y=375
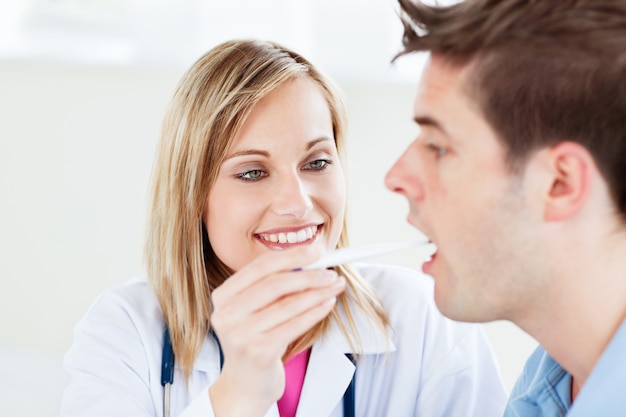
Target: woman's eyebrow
x=316, y=141
x=247, y=152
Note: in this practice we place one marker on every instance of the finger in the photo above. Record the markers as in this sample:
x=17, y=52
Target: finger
x=266, y=264
x=272, y=308
x=287, y=332
x=295, y=304
x=265, y=347
x=263, y=293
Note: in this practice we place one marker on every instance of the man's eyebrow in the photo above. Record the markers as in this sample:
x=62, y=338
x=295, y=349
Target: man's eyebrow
x=428, y=121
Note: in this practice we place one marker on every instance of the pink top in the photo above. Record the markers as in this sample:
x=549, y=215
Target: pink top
x=295, y=369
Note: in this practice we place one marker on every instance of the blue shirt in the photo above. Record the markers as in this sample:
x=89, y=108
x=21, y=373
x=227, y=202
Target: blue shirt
x=543, y=389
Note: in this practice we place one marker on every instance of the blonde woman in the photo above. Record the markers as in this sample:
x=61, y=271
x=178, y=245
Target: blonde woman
x=248, y=186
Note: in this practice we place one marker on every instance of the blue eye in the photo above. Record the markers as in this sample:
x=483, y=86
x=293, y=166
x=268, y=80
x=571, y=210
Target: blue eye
x=252, y=175
x=318, y=165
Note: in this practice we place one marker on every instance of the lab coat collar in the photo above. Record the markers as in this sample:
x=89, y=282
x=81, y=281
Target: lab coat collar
x=329, y=371
x=328, y=375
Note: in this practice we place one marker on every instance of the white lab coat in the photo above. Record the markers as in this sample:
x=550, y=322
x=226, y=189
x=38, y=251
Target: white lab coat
x=435, y=367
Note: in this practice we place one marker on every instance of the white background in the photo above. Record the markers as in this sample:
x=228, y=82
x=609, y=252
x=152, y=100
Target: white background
x=83, y=87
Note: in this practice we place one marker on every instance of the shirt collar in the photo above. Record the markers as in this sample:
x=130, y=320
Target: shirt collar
x=546, y=388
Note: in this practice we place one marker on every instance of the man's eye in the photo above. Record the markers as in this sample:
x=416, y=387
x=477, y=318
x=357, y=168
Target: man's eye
x=317, y=165
x=252, y=175
x=437, y=150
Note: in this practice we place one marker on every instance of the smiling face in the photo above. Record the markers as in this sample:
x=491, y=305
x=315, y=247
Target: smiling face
x=465, y=199
x=281, y=183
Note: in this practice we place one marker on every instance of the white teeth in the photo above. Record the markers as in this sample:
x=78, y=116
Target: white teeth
x=301, y=235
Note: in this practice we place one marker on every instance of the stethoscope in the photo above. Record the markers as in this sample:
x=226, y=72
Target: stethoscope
x=167, y=376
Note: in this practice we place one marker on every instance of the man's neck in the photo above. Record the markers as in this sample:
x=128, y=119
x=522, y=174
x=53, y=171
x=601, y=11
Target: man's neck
x=581, y=312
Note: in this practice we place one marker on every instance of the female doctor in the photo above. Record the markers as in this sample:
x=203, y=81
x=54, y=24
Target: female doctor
x=248, y=186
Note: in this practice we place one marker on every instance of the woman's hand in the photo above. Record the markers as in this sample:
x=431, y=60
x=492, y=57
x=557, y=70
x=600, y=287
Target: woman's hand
x=258, y=312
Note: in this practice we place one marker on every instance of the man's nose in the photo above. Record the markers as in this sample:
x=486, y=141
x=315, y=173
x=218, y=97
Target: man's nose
x=403, y=177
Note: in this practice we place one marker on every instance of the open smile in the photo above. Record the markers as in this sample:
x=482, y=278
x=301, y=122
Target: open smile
x=290, y=236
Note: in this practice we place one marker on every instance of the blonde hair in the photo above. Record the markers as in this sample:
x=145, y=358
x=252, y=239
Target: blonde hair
x=209, y=106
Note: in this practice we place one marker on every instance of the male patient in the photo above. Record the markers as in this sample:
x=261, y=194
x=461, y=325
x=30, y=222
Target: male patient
x=518, y=175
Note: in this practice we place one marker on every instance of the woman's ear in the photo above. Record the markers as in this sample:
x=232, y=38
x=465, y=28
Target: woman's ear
x=570, y=166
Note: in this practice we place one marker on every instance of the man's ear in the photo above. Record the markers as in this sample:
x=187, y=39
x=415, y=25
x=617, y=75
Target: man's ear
x=570, y=166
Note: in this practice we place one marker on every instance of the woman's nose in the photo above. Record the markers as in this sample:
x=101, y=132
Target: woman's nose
x=403, y=177
x=292, y=197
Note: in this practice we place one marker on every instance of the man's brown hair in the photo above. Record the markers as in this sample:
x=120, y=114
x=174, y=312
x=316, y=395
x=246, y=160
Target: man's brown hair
x=542, y=71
